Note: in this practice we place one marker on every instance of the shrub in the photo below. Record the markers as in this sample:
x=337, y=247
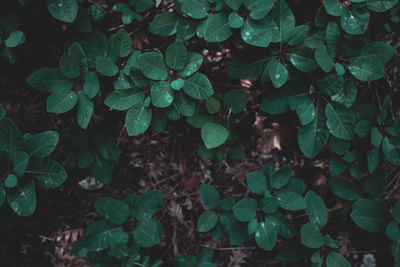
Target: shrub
x=313, y=75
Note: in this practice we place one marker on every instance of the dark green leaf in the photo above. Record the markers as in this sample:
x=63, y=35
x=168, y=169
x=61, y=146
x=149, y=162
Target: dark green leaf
x=210, y=196
x=64, y=10
x=22, y=199
x=310, y=236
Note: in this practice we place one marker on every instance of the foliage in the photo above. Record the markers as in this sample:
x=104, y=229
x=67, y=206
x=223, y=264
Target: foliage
x=95, y=150
x=25, y=165
x=105, y=242
x=316, y=72
x=263, y=217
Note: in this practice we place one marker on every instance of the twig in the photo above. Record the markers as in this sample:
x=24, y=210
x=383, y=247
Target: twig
x=231, y=248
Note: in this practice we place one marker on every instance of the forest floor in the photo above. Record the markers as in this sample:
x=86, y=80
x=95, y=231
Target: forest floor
x=169, y=162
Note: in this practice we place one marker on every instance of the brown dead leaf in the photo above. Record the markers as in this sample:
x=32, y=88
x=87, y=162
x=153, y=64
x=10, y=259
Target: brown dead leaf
x=140, y=40
x=237, y=258
x=269, y=140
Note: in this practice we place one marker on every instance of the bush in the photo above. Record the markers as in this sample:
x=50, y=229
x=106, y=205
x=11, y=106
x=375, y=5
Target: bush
x=330, y=79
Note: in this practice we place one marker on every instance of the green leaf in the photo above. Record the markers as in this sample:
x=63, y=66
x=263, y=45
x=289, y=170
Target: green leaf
x=277, y=73
x=116, y=211
x=297, y=35
x=100, y=235
x=306, y=111
x=266, y=235
x=286, y=227
x=392, y=231
x=137, y=119
x=381, y=5
x=284, y=18
x=193, y=63
x=210, y=196
x=146, y=233
x=257, y=182
x=164, y=24
x=84, y=110
x=260, y=8
x=345, y=189
x=247, y=66
x=64, y=10
x=10, y=136
x=48, y=173
x=85, y=159
x=303, y=59
x=332, y=38
x=196, y=9
x=49, y=80
x=370, y=215
x=22, y=199
x=235, y=21
x=366, y=69
x=153, y=66
x=11, y=181
x=376, y=137
x=396, y=211
x=384, y=110
x=2, y=194
x=69, y=66
x=207, y=221
x=291, y=201
x=124, y=99
x=337, y=166
x=323, y=59
x=391, y=149
x=363, y=128
x=198, y=87
x=20, y=161
x=177, y=84
x=340, y=121
x=182, y=260
x=310, y=236
x=379, y=51
x=91, y=86
x=106, y=66
x=217, y=28
x=162, y=94
x=235, y=100
x=257, y=33
x=373, y=159
x=41, y=144
x=339, y=69
x=185, y=105
x=121, y=43
x=375, y=183
x=284, y=100
x=335, y=259
x=269, y=204
x=176, y=55
x=355, y=20
x=61, y=101
x=76, y=51
x=316, y=209
x=147, y=205
x=245, y=209
x=334, y=7
x=95, y=44
x=313, y=137
x=281, y=177
x=213, y=135
x=347, y=93
x=213, y=105
x=15, y=39
x=332, y=84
